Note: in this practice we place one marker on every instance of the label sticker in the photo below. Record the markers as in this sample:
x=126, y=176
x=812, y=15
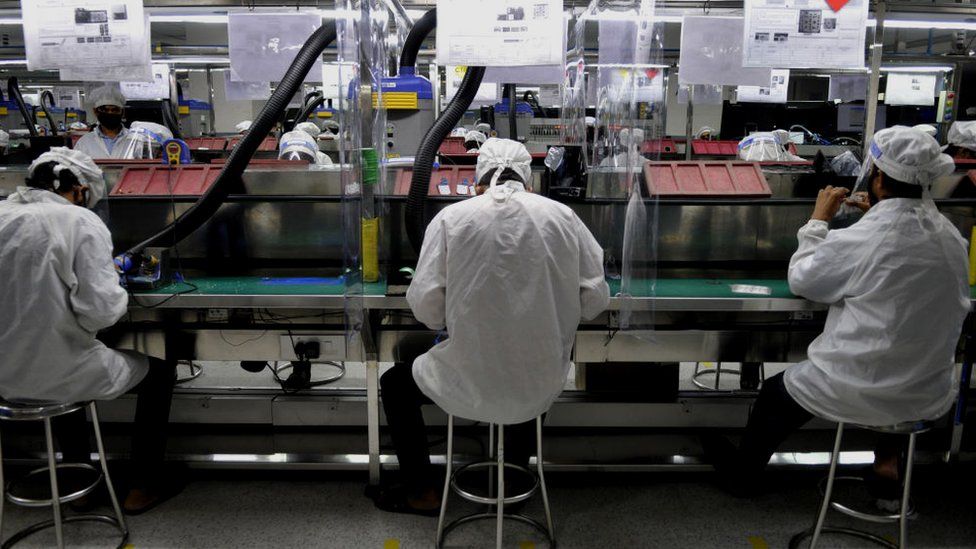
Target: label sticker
x=750, y=289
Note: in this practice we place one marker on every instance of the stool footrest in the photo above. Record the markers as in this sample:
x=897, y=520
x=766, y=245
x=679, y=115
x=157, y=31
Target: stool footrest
x=509, y=500
x=44, y=525
x=854, y=513
x=33, y=502
x=797, y=540
x=494, y=516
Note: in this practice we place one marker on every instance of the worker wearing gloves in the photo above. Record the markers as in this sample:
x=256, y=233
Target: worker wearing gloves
x=473, y=140
x=109, y=105
x=61, y=289
x=898, y=290
x=508, y=274
x=962, y=139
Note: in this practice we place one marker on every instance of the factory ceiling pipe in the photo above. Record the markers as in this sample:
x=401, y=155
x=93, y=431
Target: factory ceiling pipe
x=230, y=175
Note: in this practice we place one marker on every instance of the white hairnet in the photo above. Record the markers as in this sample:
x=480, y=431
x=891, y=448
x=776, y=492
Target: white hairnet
x=475, y=136
x=298, y=143
x=630, y=137
x=590, y=121
x=483, y=127
x=78, y=127
x=910, y=156
x=78, y=163
x=497, y=154
x=926, y=128
x=108, y=94
x=963, y=134
x=243, y=126
x=767, y=147
x=310, y=128
x=4, y=138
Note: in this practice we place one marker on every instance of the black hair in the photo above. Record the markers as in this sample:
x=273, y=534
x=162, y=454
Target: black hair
x=44, y=178
x=898, y=189
x=507, y=175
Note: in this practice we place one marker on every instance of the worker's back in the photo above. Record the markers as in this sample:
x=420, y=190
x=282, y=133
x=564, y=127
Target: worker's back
x=514, y=272
x=52, y=308
x=887, y=351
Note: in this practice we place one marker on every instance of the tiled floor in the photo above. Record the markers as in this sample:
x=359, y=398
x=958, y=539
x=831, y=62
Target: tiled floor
x=295, y=509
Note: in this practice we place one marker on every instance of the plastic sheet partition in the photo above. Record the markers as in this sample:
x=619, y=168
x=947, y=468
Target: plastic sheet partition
x=189, y=181
x=705, y=179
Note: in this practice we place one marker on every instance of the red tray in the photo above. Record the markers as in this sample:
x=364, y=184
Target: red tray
x=157, y=180
x=705, y=179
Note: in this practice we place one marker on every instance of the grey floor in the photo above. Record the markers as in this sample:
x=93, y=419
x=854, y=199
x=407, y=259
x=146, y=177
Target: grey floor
x=295, y=509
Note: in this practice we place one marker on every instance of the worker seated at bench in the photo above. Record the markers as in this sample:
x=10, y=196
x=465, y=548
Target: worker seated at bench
x=897, y=285
x=508, y=274
x=59, y=289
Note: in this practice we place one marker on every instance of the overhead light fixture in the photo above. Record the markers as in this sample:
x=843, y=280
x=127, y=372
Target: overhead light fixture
x=924, y=24
x=212, y=18
x=11, y=21
x=12, y=62
x=193, y=60
x=917, y=68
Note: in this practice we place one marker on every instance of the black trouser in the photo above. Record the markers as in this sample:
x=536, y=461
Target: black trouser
x=775, y=416
x=402, y=402
x=155, y=395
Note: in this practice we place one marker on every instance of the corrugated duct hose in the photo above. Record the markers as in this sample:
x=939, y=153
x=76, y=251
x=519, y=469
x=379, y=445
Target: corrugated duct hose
x=47, y=95
x=13, y=91
x=424, y=160
x=312, y=101
x=230, y=175
x=171, y=107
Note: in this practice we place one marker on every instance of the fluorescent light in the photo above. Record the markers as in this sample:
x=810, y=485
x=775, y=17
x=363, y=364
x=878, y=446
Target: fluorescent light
x=918, y=68
x=924, y=25
x=194, y=60
x=213, y=18
x=9, y=62
x=11, y=21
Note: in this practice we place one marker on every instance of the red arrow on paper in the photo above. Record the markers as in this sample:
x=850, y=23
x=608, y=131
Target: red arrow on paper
x=836, y=5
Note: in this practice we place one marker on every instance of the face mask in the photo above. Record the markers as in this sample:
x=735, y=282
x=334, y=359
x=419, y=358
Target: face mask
x=111, y=122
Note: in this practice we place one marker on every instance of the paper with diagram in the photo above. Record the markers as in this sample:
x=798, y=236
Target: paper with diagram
x=83, y=33
x=804, y=34
x=500, y=33
x=157, y=88
x=776, y=92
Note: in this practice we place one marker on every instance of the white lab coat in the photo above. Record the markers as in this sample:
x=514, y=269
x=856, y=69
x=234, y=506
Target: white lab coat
x=59, y=288
x=898, y=296
x=509, y=274
x=93, y=145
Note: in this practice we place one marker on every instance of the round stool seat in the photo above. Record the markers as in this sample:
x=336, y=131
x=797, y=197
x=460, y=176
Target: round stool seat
x=36, y=410
x=906, y=428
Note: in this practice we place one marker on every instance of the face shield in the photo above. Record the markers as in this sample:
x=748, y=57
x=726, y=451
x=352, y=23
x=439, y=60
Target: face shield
x=143, y=141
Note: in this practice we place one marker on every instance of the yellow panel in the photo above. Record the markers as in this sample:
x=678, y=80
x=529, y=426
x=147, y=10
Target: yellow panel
x=72, y=115
x=184, y=109
x=324, y=114
x=3, y=111
x=398, y=101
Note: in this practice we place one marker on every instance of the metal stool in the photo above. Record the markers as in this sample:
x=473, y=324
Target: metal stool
x=500, y=500
x=717, y=372
x=911, y=429
x=44, y=411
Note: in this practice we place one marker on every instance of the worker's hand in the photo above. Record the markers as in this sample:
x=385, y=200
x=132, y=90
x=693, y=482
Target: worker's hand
x=860, y=201
x=828, y=203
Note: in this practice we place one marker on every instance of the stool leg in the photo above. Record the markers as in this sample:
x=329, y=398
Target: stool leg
x=104, y=463
x=53, y=472
x=718, y=375
x=501, y=486
x=906, y=494
x=834, y=458
x=491, y=456
x=3, y=494
x=447, y=480
x=542, y=479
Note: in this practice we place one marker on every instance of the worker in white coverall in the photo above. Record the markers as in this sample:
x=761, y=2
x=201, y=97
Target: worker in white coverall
x=109, y=105
x=60, y=289
x=897, y=285
x=506, y=276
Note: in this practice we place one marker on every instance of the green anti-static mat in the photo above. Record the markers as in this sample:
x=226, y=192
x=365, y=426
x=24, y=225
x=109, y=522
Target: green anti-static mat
x=267, y=286
x=702, y=287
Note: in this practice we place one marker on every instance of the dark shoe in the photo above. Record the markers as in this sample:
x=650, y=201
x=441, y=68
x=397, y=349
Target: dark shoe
x=721, y=454
x=396, y=499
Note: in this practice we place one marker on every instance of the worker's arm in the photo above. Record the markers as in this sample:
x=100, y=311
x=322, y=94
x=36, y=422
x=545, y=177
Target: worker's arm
x=428, y=289
x=97, y=299
x=594, y=291
x=825, y=261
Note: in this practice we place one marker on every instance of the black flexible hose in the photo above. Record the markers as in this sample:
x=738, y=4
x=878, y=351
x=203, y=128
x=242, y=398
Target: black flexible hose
x=230, y=175
x=317, y=101
x=46, y=94
x=171, y=108
x=512, y=120
x=13, y=90
x=170, y=119
x=424, y=160
x=419, y=32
